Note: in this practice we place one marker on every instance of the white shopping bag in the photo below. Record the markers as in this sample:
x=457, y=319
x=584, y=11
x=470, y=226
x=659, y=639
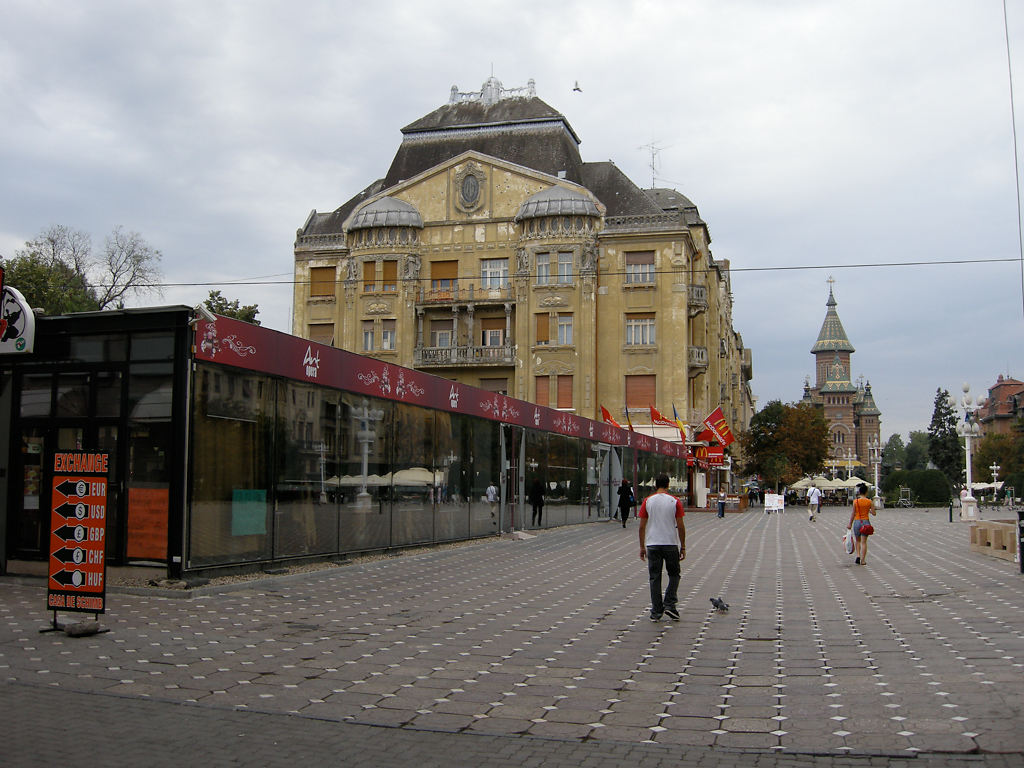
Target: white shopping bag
x=848, y=542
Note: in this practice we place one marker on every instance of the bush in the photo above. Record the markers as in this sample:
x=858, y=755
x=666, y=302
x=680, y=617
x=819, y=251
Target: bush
x=928, y=486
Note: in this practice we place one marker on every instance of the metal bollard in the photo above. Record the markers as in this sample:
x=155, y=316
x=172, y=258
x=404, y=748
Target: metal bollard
x=951, y=510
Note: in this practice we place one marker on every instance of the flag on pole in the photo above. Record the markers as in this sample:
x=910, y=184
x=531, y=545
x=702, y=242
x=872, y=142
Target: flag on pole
x=716, y=423
x=657, y=418
x=679, y=423
x=608, y=418
x=629, y=421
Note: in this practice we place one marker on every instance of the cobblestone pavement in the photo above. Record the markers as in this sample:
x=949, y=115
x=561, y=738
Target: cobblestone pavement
x=540, y=652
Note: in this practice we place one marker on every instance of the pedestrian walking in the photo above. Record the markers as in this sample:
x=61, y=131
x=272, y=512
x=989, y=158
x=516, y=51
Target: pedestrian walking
x=662, y=545
x=536, y=499
x=493, y=496
x=721, y=502
x=813, y=502
x=626, y=500
x=859, y=517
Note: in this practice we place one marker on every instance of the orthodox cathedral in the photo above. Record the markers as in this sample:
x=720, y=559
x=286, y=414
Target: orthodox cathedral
x=850, y=411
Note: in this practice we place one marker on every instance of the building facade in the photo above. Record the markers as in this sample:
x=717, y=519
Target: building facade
x=853, y=418
x=1001, y=411
x=491, y=254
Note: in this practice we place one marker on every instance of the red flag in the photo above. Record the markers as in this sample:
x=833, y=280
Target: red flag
x=657, y=418
x=707, y=436
x=716, y=423
x=608, y=417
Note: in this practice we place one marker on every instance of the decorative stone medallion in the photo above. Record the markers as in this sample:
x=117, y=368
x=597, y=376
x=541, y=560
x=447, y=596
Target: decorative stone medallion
x=470, y=186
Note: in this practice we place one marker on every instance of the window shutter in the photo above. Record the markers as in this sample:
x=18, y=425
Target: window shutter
x=492, y=323
x=444, y=270
x=564, y=392
x=543, y=390
x=322, y=332
x=390, y=275
x=640, y=391
x=369, y=276
x=494, y=385
x=639, y=257
x=543, y=328
x=321, y=281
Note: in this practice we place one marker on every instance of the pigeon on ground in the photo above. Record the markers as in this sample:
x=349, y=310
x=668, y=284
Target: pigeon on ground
x=719, y=603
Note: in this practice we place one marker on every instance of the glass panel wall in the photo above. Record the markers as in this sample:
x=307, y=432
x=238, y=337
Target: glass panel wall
x=536, y=480
x=485, y=468
x=363, y=460
x=233, y=428
x=306, y=518
x=412, y=476
x=150, y=435
x=564, y=481
x=285, y=469
x=453, y=444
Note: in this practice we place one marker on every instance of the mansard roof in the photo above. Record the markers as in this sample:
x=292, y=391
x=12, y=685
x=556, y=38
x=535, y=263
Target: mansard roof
x=672, y=200
x=510, y=124
x=832, y=336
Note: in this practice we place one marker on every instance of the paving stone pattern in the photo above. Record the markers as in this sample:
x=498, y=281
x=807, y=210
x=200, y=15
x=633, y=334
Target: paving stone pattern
x=535, y=652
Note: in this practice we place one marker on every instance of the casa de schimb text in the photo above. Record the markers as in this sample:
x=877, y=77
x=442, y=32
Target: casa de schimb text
x=491, y=254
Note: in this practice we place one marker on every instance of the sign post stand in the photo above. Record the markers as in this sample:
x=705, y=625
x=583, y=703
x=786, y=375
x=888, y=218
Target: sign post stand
x=78, y=520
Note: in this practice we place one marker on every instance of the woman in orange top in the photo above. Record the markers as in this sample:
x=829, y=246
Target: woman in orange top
x=862, y=507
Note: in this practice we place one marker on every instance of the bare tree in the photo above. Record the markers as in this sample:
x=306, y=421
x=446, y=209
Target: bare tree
x=60, y=270
x=129, y=265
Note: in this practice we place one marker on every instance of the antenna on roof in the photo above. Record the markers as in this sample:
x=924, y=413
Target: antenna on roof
x=655, y=150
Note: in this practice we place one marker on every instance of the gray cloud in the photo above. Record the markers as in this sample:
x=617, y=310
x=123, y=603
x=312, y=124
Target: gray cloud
x=807, y=133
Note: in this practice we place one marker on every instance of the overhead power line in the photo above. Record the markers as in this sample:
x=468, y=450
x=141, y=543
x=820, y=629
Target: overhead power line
x=552, y=280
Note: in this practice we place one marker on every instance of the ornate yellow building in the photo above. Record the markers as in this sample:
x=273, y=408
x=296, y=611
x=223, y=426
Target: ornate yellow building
x=491, y=254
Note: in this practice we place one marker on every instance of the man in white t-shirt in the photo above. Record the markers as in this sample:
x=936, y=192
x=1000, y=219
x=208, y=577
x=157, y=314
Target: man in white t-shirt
x=662, y=541
x=493, y=496
x=813, y=502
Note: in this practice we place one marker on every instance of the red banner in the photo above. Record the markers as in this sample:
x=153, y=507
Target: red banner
x=657, y=418
x=716, y=423
x=232, y=342
x=608, y=418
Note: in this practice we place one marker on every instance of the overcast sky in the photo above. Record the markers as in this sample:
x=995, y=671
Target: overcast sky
x=816, y=138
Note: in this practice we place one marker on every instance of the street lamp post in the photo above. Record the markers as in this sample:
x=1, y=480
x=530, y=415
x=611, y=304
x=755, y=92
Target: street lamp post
x=969, y=428
x=875, y=453
x=995, y=479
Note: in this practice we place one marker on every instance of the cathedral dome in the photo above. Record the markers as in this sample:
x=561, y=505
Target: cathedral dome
x=386, y=212
x=557, y=201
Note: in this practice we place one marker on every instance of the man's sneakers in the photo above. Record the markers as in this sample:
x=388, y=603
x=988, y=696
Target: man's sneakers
x=655, y=616
x=672, y=613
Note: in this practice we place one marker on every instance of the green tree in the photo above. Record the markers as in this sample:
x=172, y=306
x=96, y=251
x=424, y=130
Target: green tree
x=944, y=448
x=1005, y=450
x=785, y=442
x=916, y=454
x=53, y=287
x=219, y=305
x=58, y=272
x=894, y=454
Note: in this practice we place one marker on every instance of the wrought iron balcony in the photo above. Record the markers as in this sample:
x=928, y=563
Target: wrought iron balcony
x=448, y=357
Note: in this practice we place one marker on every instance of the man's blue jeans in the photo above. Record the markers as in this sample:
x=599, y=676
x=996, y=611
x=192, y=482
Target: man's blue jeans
x=667, y=555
